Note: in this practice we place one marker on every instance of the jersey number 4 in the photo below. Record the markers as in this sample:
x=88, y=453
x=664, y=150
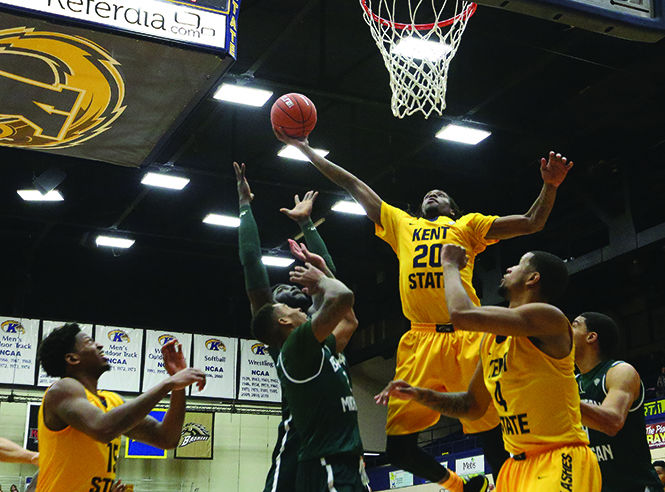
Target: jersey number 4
x=498, y=397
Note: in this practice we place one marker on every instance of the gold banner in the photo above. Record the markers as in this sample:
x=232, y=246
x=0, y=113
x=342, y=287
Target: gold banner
x=197, y=437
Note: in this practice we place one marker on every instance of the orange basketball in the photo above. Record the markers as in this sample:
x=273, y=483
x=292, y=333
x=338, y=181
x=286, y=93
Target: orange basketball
x=294, y=114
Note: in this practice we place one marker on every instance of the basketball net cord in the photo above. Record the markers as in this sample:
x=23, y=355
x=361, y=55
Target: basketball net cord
x=417, y=56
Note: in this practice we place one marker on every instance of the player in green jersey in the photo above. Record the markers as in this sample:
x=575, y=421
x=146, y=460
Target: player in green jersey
x=612, y=404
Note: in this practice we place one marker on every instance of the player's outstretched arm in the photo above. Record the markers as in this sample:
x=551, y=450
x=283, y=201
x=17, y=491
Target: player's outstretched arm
x=10, y=452
x=471, y=404
x=553, y=171
x=360, y=191
x=623, y=388
x=257, y=285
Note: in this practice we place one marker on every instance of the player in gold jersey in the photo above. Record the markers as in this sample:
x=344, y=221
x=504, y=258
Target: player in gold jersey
x=79, y=426
x=433, y=354
x=526, y=371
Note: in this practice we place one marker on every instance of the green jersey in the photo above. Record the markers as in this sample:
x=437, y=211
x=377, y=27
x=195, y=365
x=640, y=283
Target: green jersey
x=317, y=388
x=624, y=459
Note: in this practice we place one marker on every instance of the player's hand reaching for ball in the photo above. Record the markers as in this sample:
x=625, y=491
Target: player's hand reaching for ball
x=301, y=253
x=308, y=276
x=554, y=169
x=398, y=389
x=302, y=209
x=455, y=255
x=284, y=138
x=174, y=359
x=187, y=377
x=245, y=194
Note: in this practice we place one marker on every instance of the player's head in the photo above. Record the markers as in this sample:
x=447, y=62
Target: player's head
x=292, y=296
x=273, y=323
x=595, y=332
x=436, y=203
x=543, y=275
x=660, y=469
x=67, y=351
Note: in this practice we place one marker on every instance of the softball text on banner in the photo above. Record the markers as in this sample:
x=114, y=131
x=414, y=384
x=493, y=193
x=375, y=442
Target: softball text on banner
x=216, y=356
x=197, y=436
x=47, y=327
x=258, y=376
x=18, y=350
x=153, y=370
x=122, y=348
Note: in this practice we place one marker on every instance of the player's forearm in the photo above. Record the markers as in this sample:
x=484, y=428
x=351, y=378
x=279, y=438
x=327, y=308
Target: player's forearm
x=315, y=243
x=10, y=452
x=602, y=419
x=454, y=405
x=457, y=299
x=169, y=429
x=249, y=246
x=542, y=207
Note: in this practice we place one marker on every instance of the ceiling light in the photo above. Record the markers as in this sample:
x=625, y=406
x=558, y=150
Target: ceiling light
x=239, y=94
x=348, y=207
x=367, y=453
x=291, y=152
x=36, y=196
x=222, y=220
x=114, y=242
x=277, y=261
x=420, y=49
x=462, y=134
x=161, y=180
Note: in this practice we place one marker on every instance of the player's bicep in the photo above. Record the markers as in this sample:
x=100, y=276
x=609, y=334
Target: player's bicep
x=623, y=387
x=77, y=412
x=509, y=226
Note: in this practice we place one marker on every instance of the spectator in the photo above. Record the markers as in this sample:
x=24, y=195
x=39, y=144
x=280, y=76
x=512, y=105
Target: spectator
x=660, y=469
x=660, y=384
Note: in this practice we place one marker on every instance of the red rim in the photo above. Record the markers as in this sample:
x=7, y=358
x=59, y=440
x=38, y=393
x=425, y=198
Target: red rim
x=468, y=12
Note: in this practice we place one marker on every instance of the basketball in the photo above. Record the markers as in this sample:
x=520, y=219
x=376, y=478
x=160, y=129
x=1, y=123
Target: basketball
x=294, y=114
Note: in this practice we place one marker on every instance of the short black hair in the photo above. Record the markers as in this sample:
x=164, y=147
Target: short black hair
x=607, y=330
x=660, y=463
x=55, y=346
x=263, y=324
x=553, y=274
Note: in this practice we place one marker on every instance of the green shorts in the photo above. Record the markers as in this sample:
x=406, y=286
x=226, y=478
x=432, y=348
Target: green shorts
x=342, y=473
x=282, y=474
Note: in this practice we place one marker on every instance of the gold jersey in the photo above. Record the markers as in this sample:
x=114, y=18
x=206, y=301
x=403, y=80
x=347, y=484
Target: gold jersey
x=536, y=395
x=418, y=242
x=71, y=461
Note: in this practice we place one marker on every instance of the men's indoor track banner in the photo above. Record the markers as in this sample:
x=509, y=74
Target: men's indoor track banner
x=197, y=437
x=47, y=327
x=18, y=350
x=216, y=356
x=122, y=347
x=154, y=371
x=95, y=95
x=258, y=376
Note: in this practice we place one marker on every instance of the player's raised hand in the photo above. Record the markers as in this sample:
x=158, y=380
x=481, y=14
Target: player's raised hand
x=398, y=389
x=308, y=276
x=301, y=253
x=245, y=194
x=118, y=486
x=187, y=377
x=283, y=137
x=453, y=254
x=554, y=169
x=302, y=209
x=174, y=359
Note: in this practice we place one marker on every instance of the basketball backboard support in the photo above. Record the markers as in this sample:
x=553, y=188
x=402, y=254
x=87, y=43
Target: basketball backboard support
x=637, y=20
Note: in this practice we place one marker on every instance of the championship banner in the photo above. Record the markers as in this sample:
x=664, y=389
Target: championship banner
x=198, y=436
x=153, y=368
x=122, y=347
x=44, y=379
x=30, y=441
x=137, y=449
x=91, y=94
x=18, y=350
x=656, y=435
x=258, y=376
x=216, y=356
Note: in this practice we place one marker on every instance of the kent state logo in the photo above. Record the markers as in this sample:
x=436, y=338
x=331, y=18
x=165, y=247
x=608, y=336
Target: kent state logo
x=60, y=90
x=259, y=349
x=164, y=339
x=13, y=327
x=215, y=344
x=118, y=336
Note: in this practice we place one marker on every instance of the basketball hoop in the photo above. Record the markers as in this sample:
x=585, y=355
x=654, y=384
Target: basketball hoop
x=417, y=56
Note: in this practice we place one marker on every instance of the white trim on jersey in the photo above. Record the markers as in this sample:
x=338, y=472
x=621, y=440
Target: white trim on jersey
x=278, y=460
x=331, y=478
x=302, y=381
x=637, y=404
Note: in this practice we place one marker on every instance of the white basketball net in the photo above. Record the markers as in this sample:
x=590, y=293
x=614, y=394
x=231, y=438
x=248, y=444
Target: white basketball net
x=417, y=56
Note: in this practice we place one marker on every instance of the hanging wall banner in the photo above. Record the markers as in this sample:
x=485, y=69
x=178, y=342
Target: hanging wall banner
x=44, y=379
x=122, y=347
x=153, y=369
x=197, y=437
x=141, y=450
x=30, y=441
x=258, y=376
x=18, y=350
x=216, y=356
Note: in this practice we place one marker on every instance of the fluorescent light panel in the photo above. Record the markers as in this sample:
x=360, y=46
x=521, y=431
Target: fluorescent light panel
x=36, y=196
x=462, y=134
x=161, y=180
x=348, y=207
x=277, y=261
x=420, y=49
x=114, y=242
x=222, y=220
x=371, y=454
x=239, y=94
x=291, y=152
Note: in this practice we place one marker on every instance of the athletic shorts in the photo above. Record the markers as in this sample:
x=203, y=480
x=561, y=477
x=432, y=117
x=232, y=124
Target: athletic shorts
x=439, y=361
x=343, y=473
x=283, y=470
x=569, y=468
